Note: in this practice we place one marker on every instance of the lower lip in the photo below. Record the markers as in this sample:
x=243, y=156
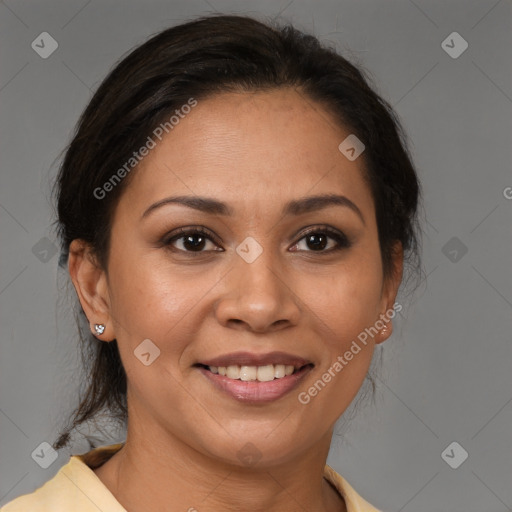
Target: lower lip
x=255, y=391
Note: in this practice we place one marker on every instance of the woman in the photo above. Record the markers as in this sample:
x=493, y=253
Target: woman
x=235, y=210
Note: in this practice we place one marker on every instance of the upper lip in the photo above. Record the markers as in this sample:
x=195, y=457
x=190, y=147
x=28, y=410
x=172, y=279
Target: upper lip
x=248, y=359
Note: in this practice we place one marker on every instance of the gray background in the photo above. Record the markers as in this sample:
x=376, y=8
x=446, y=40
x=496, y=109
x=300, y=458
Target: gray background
x=446, y=370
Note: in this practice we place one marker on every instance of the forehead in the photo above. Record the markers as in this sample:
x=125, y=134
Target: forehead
x=252, y=150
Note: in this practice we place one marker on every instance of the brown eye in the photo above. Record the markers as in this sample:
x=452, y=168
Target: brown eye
x=192, y=240
x=317, y=241
x=195, y=242
x=322, y=240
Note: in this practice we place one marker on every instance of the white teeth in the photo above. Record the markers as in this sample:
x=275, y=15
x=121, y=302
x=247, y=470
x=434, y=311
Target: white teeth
x=251, y=373
x=279, y=371
x=265, y=373
x=248, y=373
x=233, y=372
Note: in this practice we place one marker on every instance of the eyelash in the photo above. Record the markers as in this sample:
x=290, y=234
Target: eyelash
x=339, y=237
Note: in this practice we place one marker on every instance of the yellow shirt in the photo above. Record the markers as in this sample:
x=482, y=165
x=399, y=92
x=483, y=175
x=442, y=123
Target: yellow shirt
x=77, y=488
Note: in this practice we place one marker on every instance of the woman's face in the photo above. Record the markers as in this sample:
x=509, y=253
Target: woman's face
x=255, y=289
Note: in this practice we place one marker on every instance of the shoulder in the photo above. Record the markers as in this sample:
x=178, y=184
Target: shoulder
x=74, y=487
x=353, y=501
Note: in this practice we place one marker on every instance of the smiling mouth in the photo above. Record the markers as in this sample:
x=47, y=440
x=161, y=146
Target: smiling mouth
x=264, y=373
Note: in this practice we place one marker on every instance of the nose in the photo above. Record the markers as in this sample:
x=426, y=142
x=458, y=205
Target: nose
x=258, y=297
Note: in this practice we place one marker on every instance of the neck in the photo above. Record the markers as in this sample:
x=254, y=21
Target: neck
x=148, y=475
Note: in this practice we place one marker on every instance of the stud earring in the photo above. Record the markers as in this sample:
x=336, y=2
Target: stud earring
x=99, y=328
x=385, y=331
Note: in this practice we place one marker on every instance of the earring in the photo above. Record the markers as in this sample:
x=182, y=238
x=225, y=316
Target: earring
x=99, y=328
x=385, y=332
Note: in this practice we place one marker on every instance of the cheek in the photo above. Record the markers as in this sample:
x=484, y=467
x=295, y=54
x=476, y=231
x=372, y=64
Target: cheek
x=347, y=354
x=345, y=306
x=338, y=378
x=346, y=301
x=152, y=302
x=146, y=293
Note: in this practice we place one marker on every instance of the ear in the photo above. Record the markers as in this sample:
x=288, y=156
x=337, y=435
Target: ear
x=90, y=282
x=390, y=291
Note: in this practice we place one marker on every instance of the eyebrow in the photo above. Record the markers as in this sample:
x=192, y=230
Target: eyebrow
x=296, y=207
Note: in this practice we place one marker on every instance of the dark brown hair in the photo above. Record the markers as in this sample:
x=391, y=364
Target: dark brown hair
x=198, y=59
